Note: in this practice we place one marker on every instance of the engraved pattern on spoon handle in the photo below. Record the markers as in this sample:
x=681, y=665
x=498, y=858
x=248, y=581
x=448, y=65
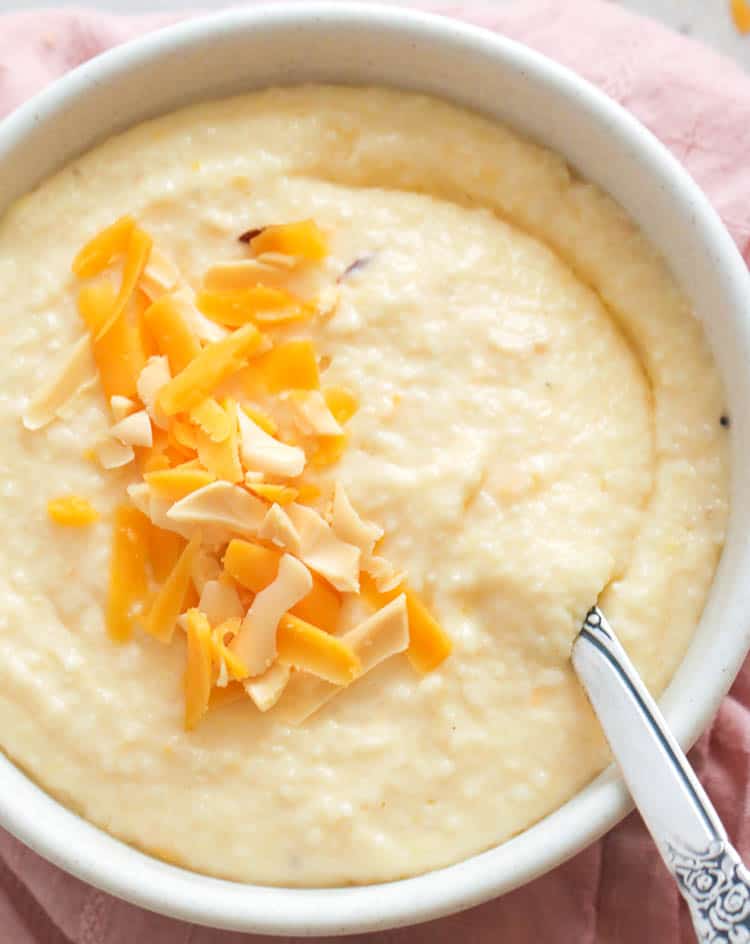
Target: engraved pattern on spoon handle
x=687, y=831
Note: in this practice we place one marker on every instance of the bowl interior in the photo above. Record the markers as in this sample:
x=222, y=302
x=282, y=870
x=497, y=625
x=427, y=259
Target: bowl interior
x=287, y=44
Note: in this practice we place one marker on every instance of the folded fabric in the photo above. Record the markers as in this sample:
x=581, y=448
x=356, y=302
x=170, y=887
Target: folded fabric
x=616, y=891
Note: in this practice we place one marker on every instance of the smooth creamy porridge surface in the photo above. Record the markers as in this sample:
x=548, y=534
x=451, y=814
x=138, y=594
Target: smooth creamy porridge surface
x=539, y=423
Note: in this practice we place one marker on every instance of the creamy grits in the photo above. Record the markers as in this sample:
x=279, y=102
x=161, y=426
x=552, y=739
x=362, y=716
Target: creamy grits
x=539, y=427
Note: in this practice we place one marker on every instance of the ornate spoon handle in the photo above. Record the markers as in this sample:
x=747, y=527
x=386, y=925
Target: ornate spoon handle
x=673, y=804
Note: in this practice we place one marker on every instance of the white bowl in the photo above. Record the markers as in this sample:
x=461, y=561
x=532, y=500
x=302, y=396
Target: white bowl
x=212, y=57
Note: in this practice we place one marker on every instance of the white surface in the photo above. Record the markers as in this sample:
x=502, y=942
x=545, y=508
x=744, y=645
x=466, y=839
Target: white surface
x=708, y=20
x=213, y=57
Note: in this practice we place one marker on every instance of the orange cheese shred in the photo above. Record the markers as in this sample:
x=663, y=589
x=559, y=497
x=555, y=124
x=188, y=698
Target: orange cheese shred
x=148, y=341
x=306, y=492
x=341, y=402
x=280, y=494
x=221, y=697
x=215, y=422
x=198, y=671
x=171, y=333
x=104, y=248
x=178, y=482
x=260, y=418
x=222, y=459
x=236, y=669
x=429, y=644
x=139, y=248
x=204, y=373
x=290, y=365
x=303, y=239
x=304, y=646
x=256, y=304
x=329, y=450
x=255, y=566
x=184, y=434
x=164, y=549
x=252, y=565
x=741, y=15
x=119, y=355
x=321, y=606
x=170, y=600
x=72, y=511
x=128, y=577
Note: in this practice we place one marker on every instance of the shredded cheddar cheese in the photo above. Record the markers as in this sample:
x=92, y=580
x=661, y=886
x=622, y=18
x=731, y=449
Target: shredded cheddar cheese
x=305, y=240
x=72, y=511
x=68, y=379
x=290, y=365
x=329, y=450
x=101, y=251
x=260, y=418
x=221, y=456
x=223, y=426
x=198, y=672
x=119, y=354
x=205, y=372
x=139, y=247
x=214, y=421
x=128, y=577
x=741, y=15
x=164, y=549
x=171, y=333
x=341, y=402
x=304, y=646
x=169, y=602
x=429, y=644
x=258, y=304
x=178, y=482
x=280, y=494
x=252, y=565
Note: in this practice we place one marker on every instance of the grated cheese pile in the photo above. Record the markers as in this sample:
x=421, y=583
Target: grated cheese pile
x=225, y=542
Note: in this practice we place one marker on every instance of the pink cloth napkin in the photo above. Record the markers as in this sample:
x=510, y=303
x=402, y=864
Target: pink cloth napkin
x=617, y=891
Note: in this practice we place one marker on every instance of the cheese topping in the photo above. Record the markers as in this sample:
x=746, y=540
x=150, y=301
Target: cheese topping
x=323, y=551
x=222, y=537
x=161, y=618
x=113, y=453
x=121, y=407
x=277, y=528
x=312, y=415
x=222, y=507
x=348, y=525
x=134, y=430
x=171, y=332
x=160, y=276
x=138, y=250
x=128, y=575
x=304, y=646
x=205, y=372
x=263, y=453
x=74, y=372
x=384, y=634
x=265, y=690
x=304, y=240
x=203, y=328
x=154, y=376
x=101, y=251
x=220, y=456
x=72, y=511
x=198, y=672
x=255, y=644
x=220, y=602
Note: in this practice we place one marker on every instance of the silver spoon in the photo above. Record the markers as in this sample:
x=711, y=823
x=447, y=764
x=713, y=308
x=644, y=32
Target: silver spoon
x=681, y=819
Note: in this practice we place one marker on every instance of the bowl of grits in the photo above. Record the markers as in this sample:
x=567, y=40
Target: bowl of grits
x=351, y=355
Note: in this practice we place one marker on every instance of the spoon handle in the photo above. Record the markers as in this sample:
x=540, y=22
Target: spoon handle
x=680, y=817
